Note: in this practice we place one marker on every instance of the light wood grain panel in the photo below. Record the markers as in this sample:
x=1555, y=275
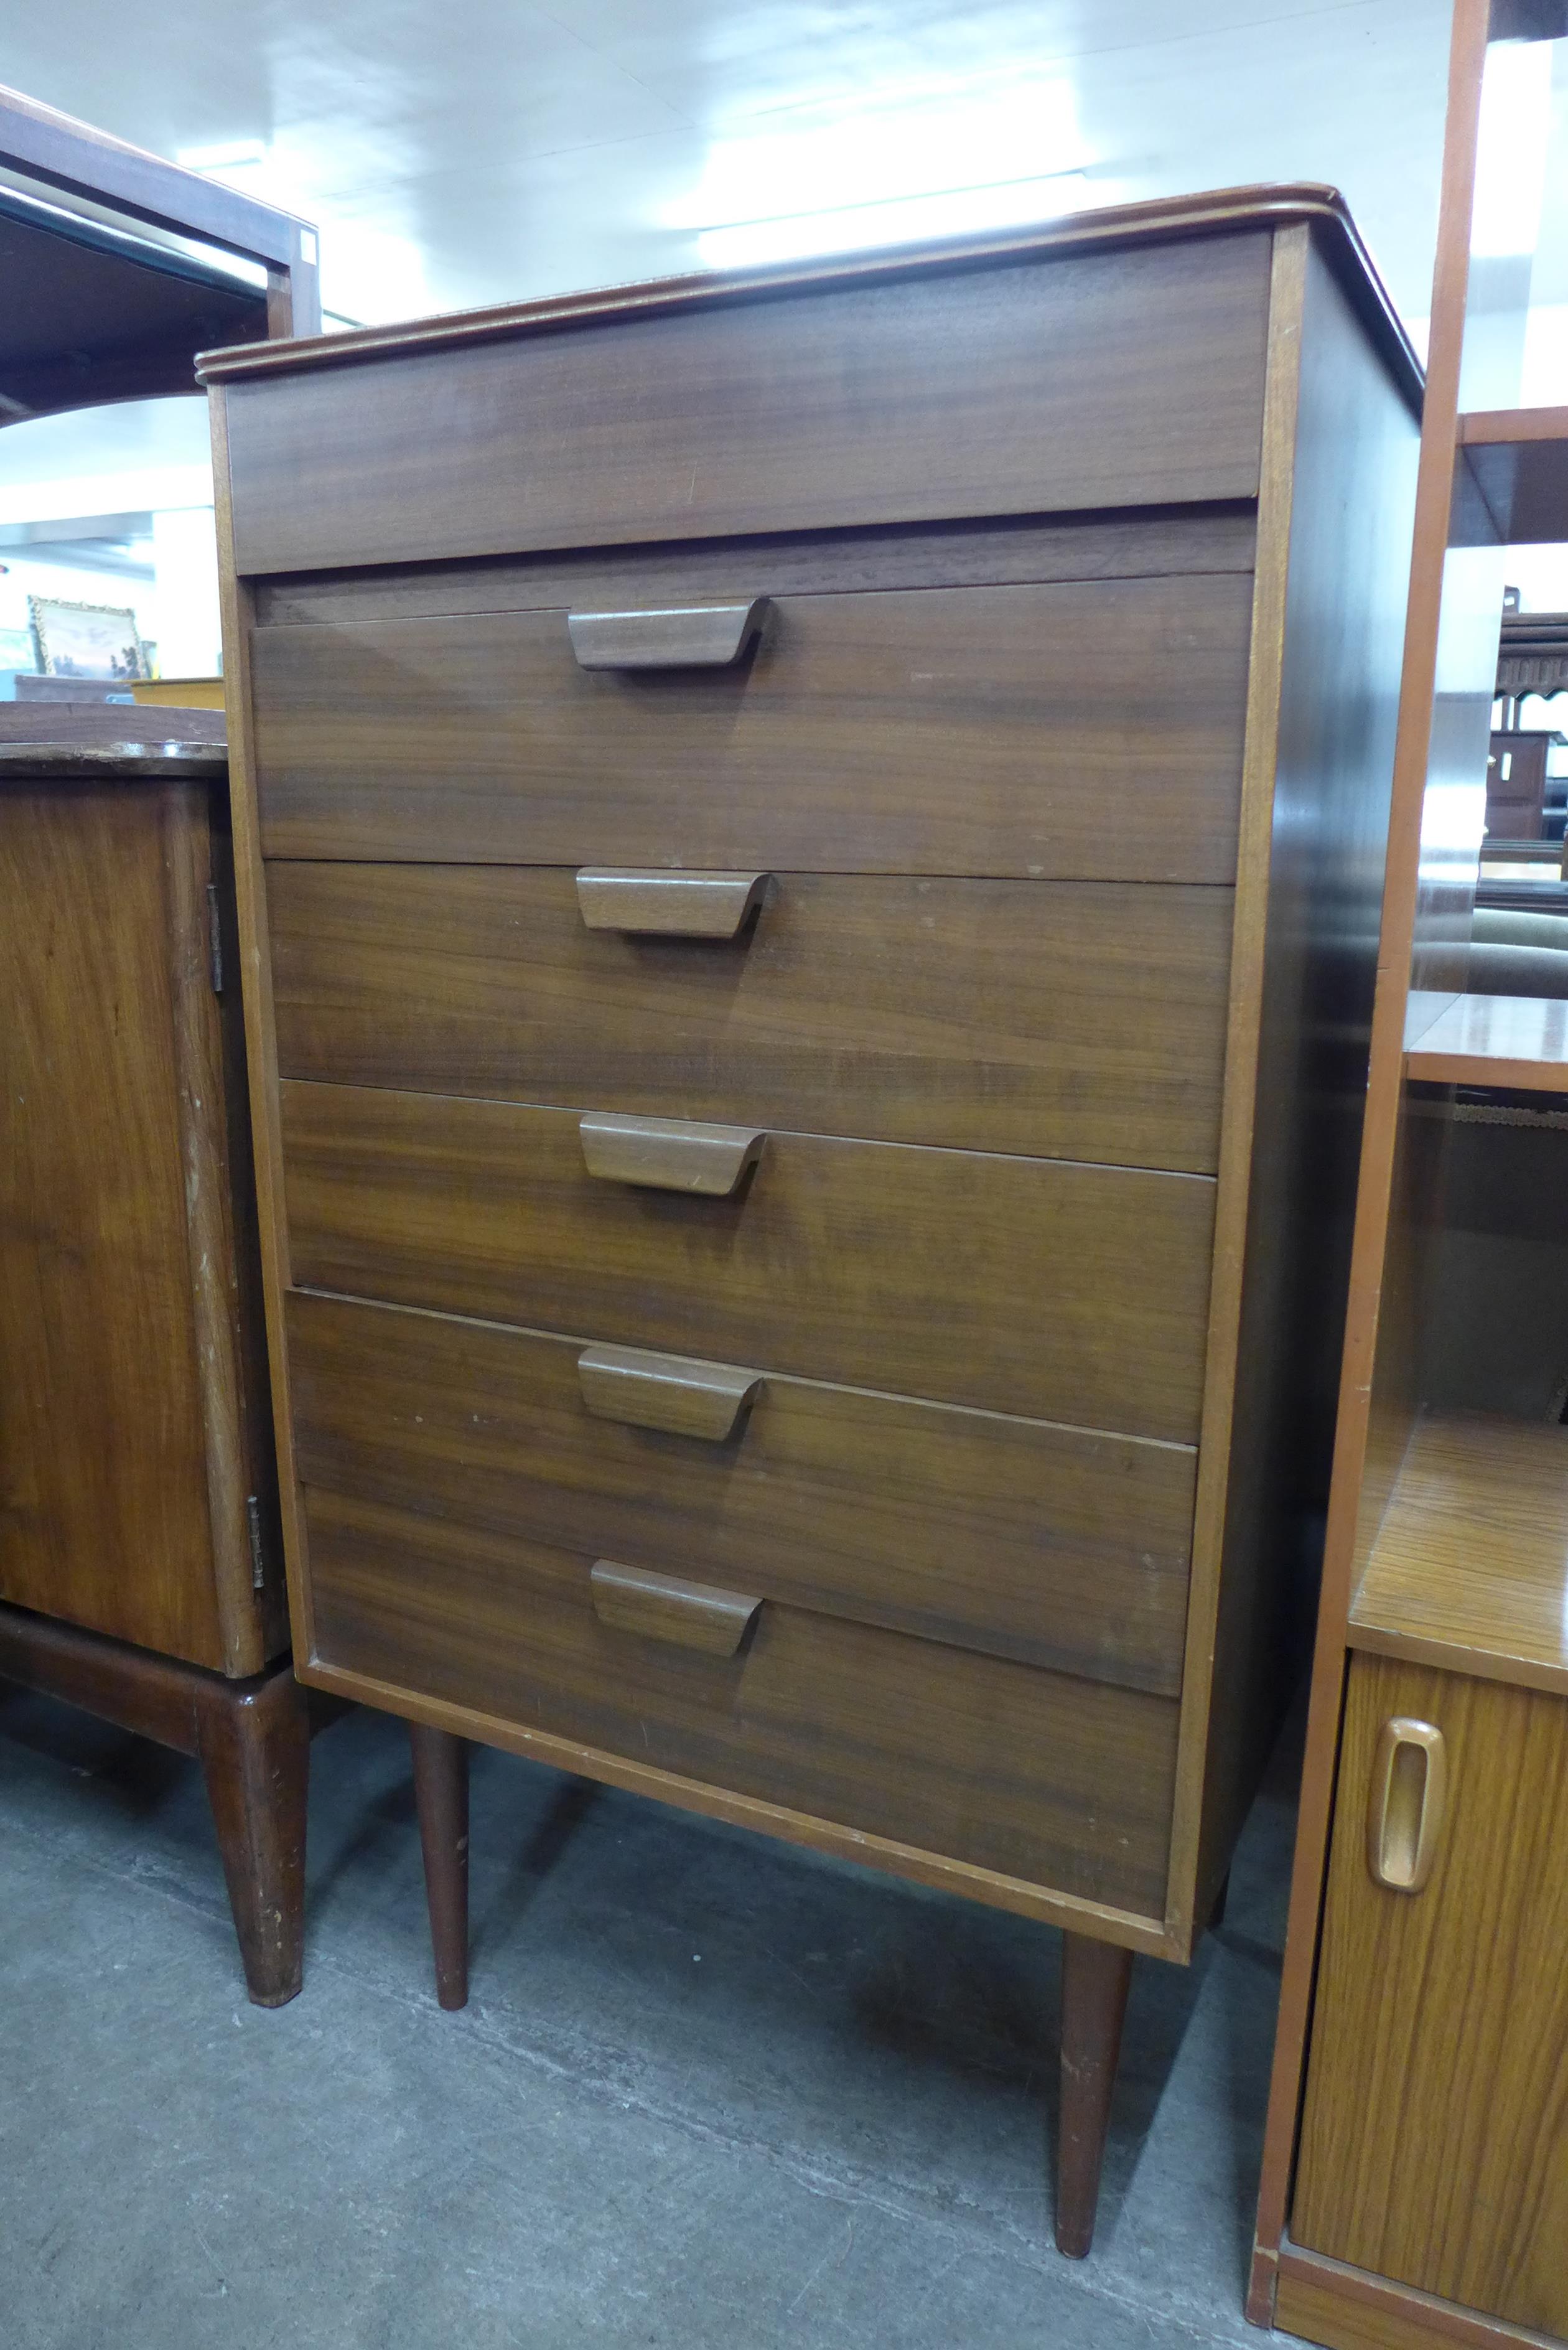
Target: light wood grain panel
x=1435, y=2133
x=836, y=1011
x=1517, y=1041
x=1040, y=1542
x=103, y=1474
x=1060, y=1292
x=1084, y=732
x=1126, y=377
x=1326, y=2301
x=1470, y=1565
x=1039, y=1776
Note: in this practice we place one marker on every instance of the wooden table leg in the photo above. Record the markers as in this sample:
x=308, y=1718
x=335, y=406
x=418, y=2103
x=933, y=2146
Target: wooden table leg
x=440, y=1792
x=253, y=1740
x=1094, y=1978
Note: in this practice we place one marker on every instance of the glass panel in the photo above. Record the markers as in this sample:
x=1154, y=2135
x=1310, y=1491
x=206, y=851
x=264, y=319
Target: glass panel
x=108, y=555
x=1516, y=321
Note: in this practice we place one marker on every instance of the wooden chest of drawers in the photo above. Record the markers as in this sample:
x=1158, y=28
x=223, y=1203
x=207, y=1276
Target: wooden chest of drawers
x=811, y=851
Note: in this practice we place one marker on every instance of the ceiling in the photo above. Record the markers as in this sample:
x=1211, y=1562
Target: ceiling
x=498, y=149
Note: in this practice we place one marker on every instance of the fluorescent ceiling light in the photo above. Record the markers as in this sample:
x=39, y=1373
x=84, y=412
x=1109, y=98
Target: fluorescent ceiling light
x=892, y=220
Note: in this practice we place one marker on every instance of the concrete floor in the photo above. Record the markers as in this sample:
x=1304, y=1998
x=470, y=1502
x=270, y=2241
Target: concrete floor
x=709, y=2091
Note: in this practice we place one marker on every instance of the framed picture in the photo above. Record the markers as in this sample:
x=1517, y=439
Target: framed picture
x=87, y=639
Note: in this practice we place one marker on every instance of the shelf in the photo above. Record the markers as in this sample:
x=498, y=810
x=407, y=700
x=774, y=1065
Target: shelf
x=1520, y=1042
x=1518, y=456
x=1470, y=1569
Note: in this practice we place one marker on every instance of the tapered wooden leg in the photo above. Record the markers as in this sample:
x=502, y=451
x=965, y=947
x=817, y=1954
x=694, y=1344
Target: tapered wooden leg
x=1094, y=1978
x=441, y=1791
x=253, y=1740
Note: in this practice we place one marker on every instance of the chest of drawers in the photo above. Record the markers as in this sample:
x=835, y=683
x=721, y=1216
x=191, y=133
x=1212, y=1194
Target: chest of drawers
x=810, y=852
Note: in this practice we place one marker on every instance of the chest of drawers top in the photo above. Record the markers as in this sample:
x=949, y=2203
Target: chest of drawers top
x=1117, y=360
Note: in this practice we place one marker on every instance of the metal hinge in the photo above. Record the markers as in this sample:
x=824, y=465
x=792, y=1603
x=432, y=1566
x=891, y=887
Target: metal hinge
x=215, y=940
x=258, y=1561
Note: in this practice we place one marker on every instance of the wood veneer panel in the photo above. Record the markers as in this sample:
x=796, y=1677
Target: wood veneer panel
x=1039, y=1543
x=1326, y=2301
x=1434, y=2143
x=1037, y=1775
x=1520, y=1042
x=1087, y=732
x=1003, y=551
x=1470, y=1565
x=836, y=1012
x=1129, y=377
x=103, y=1474
x=1060, y=1292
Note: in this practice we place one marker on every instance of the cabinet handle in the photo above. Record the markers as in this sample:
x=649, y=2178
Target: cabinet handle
x=669, y=905
x=668, y=1392
x=669, y=1154
x=1410, y=1796
x=662, y=1607
x=706, y=635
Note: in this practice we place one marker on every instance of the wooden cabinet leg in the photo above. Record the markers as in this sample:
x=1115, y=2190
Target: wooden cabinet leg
x=441, y=1791
x=253, y=1743
x=1094, y=1978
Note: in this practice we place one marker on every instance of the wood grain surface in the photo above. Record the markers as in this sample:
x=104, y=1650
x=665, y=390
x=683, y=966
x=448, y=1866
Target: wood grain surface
x=1061, y=1781
x=1036, y=1287
x=1125, y=377
x=1003, y=550
x=1084, y=732
x=835, y=1012
x=103, y=1471
x=1520, y=1042
x=1036, y=1542
x=1470, y=1568
x=1434, y=2144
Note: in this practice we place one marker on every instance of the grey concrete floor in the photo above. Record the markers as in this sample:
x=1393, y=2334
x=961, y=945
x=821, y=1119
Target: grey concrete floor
x=709, y=2091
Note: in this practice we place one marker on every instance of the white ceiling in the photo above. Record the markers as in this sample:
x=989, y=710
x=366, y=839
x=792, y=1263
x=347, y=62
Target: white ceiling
x=495, y=150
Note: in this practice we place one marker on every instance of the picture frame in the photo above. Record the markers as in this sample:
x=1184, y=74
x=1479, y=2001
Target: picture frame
x=98, y=641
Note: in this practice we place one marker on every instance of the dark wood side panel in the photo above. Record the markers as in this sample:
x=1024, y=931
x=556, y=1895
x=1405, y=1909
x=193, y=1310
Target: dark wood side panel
x=1121, y=377
x=1083, y=731
x=1061, y=1781
x=1039, y=1543
x=1029, y=1285
x=1001, y=552
x=835, y=1011
x=1352, y=508
x=103, y=1488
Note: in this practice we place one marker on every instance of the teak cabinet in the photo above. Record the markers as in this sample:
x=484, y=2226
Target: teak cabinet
x=139, y=1570
x=809, y=855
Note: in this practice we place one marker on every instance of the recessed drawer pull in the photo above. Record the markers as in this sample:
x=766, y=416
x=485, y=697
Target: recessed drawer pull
x=669, y=1154
x=668, y=1392
x=663, y=1607
x=669, y=905
x=707, y=636
x=1408, y=1798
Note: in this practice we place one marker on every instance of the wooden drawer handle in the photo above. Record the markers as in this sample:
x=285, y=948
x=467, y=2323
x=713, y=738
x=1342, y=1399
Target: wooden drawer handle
x=666, y=1391
x=708, y=636
x=662, y=1607
x=669, y=1154
x=1408, y=1798
x=669, y=905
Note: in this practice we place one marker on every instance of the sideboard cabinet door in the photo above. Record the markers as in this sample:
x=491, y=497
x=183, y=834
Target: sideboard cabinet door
x=1435, y=2136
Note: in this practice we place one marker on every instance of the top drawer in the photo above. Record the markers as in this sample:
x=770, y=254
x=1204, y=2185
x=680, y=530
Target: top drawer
x=1056, y=384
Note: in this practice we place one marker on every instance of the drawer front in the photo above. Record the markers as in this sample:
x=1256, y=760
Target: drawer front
x=1071, y=1020
x=1064, y=1784
x=1067, y=1293
x=1125, y=377
x=1081, y=732
x=1044, y=1545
